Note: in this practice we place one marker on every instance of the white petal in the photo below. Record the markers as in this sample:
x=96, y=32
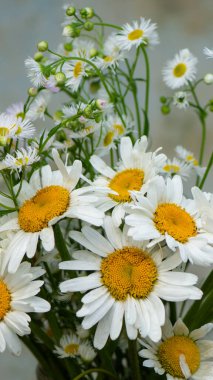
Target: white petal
x=47, y=238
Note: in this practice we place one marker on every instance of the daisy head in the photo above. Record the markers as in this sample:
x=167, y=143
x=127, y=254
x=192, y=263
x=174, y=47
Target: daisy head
x=71, y=346
x=16, y=110
x=180, y=354
x=141, y=32
x=189, y=158
x=176, y=166
x=13, y=128
x=48, y=197
x=38, y=106
x=165, y=215
x=18, y=296
x=126, y=286
x=134, y=172
x=180, y=70
x=35, y=71
x=180, y=100
x=22, y=158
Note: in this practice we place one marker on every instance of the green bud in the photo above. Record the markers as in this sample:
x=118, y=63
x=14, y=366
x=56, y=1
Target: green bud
x=68, y=46
x=69, y=31
x=3, y=140
x=32, y=91
x=70, y=11
x=38, y=56
x=88, y=25
x=42, y=46
x=211, y=108
x=60, y=78
x=93, y=52
x=163, y=99
x=58, y=115
x=165, y=109
x=87, y=12
x=88, y=111
x=94, y=86
x=61, y=136
x=98, y=117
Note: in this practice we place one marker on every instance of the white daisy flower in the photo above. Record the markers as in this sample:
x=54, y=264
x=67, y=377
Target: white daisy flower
x=204, y=203
x=140, y=32
x=176, y=166
x=17, y=298
x=189, y=158
x=16, y=110
x=180, y=70
x=166, y=215
x=135, y=172
x=35, y=72
x=128, y=282
x=180, y=354
x=23, y=157
x=83, y=48
x=181, y=100
x=38, y=107
x=49, y=197
x=75, y=70
x=72, y=346
x=208, y=52
x=112, y=54
x=13, y=128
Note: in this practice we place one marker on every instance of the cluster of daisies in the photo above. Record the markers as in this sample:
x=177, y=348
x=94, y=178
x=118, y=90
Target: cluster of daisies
x=112, y=242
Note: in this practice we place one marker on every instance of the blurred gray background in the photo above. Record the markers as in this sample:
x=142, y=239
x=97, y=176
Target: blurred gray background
x=181, y=24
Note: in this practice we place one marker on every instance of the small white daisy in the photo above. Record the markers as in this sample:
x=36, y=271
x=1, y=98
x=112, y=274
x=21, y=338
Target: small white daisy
x=72, y=346
x=49, y=197
x=17, y=298
x=165, y=215
x=35, y=72
x=112, y=54
x=180, y=70
x=13, y=128
x=128, y=282
x=189, y=158
x=180, y=354
x=22, y=158
x=176, y=166
x=16, y=110
x=135, y=171
x=38, y=107
x=140, y=32
x=208, y=52
x=204, y=203
x=181, y=100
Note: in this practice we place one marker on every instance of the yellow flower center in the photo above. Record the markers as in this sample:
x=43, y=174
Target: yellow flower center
x=125, y=181
x=171, y=168
x=77, y=69
x=108, y=58
x=169, y=355
x=108, y=139
x=128, y=271
x=19, y=130
x=5, y=299
x=174, y=220
x=135, y=34
x=119, y=128
x=22, y=161
x=71, y=348
x=47, y=203
x=4, y=131
x=191, y=158
x=179, y=70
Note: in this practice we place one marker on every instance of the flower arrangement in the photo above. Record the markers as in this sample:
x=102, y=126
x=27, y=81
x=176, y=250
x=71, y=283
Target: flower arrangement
x=97, y=223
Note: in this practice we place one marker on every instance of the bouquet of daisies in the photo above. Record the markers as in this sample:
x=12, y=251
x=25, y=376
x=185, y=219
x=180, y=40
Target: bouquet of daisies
x=97, y=240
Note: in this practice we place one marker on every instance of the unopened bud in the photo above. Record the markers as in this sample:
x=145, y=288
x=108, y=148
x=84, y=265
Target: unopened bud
x=87, y=12
x=32, y=91
x=60, y=78
x=70, y=11
x=38, y=56
x=42, y=46
x=69, y=31
x=88, y=111
x=88, y=25
x=208, y=78
x=165, y=109
x=93, y=52
x=68, y=46
x=163, y=99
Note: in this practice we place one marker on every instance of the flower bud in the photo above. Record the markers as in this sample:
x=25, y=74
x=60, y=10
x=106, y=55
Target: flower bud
x=3, y=140
x=165, y=109
x=208, y=78
x=69, y=31
x=93, y=52
x=68, y=46
x=60, y=78
x=38, y=56
x=88, y=25
x=42, y=46
x=163, y=99
x=88, y=110
x=87, y=12
x=58, y=115
x=70, y=11
x=32, y=91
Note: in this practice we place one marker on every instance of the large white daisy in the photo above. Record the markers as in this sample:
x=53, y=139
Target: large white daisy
x=128, y=282
x=180, y=354
x=166, y=215
x=180, y=70
x=49, y=197
x=141, y=32
x=135, y=171
x=17, y=298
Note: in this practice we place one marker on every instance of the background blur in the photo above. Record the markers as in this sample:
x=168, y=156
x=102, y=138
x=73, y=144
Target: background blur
x=181, y=24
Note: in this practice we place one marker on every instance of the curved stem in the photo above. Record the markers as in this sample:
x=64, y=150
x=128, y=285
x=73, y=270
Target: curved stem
x=210, y=163
x=146, y=106
x=109, y=25
x=92, y=370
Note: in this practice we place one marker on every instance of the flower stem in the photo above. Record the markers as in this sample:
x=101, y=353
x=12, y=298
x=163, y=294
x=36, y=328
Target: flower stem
x=134, y=362
x=146, y=106
x=93, y=370
x=210, y=163
x=60, y=243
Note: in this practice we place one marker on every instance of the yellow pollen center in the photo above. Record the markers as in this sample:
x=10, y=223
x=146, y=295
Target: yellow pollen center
x=77, y=69
x=191, y=158
x=125, y=181
x=135, y=34
x=71, y=348
x=4, y=131
x=169, y=355
x=171, y=168
x=128, y=271
x=5, y=299
x=108, y=58
x=19, y=130
x=179, y=70
x=108, y=139
x=174, y=220
x=47, y=203
x=119, y=128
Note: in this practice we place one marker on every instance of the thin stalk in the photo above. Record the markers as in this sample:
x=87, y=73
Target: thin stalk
x=173, y=312
x=109, y=25
x=133, y=358
x=60, y=243
x=93, y=370
x=146, y=106
x=210, y=163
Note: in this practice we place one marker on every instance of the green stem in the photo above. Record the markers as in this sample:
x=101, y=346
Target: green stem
x=92, y=370
x=146, y=106
x=60, y=243
x=210, y=163
x=134, y=362
x=173, y=312
x=109, y=25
